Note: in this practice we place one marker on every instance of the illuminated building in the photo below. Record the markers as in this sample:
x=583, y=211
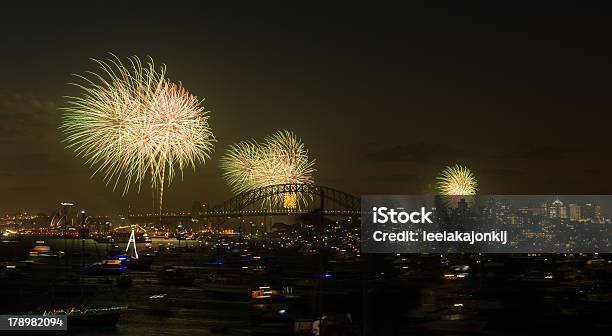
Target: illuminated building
x=592, y=213
x=574, y=212
x=557, y=210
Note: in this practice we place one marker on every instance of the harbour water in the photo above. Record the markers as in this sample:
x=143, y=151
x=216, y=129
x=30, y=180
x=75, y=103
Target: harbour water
x=191, y=309
x=383, y=294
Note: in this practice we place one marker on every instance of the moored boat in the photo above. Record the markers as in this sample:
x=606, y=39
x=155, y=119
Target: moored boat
x=90, y=316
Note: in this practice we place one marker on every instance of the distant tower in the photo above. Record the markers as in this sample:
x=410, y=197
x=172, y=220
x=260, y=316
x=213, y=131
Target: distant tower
x=588, y=212
x=574, y=212
x=598, y=217
x=557, y=210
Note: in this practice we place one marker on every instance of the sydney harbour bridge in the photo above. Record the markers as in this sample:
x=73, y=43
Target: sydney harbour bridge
x=296, y=199
x=331, y=202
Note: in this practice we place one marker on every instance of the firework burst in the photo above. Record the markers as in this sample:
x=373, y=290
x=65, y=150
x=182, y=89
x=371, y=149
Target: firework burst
x=131, y=122
x=281, y=158
x=456, y=180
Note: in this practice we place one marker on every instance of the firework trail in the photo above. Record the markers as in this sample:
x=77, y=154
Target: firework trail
x=131, y=122
x=281, y=158
x=457, y=180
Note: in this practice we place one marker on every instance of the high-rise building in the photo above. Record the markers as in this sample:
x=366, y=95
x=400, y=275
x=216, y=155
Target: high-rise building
x=557, y=210
x=598, y=217
x=563, y=212
x=592, y=213
x=575, y=213
x=542, y=210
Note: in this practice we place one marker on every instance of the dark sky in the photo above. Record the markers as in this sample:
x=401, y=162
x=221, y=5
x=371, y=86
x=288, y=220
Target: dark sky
x=384, y=97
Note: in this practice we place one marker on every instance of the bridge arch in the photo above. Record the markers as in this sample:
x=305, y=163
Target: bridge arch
x=336, y=201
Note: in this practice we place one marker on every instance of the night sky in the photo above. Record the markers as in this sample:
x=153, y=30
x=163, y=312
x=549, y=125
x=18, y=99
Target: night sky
x=383, y=97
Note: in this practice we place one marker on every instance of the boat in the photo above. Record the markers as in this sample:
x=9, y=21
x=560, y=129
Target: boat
x=108, y=266
x=84, y=315
x=41, y=252
x=134, y=262
x=119, y=264
x=132, y=259
x=90, y=316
